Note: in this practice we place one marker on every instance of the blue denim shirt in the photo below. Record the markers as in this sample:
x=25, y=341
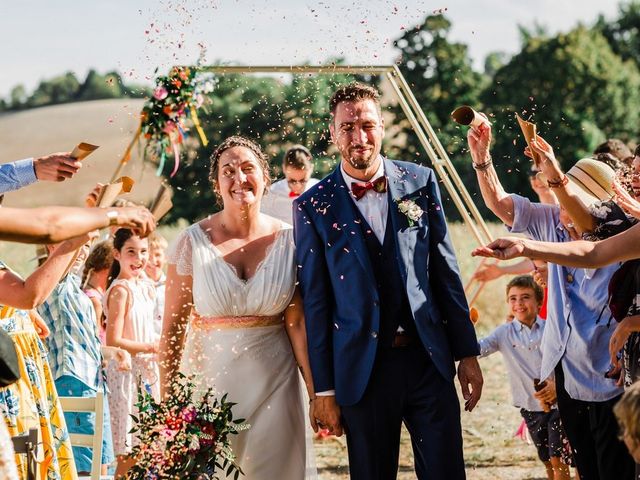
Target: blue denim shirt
x=16, y=175
x=579, y=324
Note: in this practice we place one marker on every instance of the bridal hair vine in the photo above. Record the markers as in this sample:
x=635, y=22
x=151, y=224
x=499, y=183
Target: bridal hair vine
x=410, y=209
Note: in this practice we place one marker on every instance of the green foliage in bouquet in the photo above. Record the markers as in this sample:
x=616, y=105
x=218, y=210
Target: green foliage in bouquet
x=185, y=436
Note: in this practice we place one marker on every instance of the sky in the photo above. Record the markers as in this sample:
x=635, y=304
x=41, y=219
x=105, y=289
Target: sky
x=44, y=38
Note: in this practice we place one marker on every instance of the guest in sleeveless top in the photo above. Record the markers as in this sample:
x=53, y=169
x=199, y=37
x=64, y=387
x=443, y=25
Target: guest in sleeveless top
x=129, y=303
x=231, y=280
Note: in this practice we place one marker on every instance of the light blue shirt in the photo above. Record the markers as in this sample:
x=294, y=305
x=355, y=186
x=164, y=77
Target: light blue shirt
x=520, y=348
x=16, y=175
x=579, y=323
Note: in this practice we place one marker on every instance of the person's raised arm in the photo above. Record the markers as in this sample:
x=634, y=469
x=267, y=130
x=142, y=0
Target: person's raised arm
x=32, y=292
x=55, y=224
x=578, y=211
x=177, y=309
x=493, y=194
x=581, y=253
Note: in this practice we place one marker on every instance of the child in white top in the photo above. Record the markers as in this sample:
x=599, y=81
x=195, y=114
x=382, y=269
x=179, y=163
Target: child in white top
x=129, y=306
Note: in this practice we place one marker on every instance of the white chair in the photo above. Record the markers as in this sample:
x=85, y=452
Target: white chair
x=89, y=405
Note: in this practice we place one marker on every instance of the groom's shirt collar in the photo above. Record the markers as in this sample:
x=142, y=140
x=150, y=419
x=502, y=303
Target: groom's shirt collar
x=374, y=206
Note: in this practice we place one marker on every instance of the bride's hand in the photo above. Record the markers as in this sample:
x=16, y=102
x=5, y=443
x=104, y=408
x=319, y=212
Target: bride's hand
x=312, y=414
x=503, y=249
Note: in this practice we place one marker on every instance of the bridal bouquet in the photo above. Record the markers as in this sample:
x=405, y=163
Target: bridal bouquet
x=185, y=436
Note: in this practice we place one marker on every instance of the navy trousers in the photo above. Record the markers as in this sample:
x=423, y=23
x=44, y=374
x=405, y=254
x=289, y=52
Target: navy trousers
x=405, y=387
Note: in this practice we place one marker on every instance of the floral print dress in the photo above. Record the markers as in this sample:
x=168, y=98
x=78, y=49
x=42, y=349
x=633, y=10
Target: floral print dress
x=32, y=401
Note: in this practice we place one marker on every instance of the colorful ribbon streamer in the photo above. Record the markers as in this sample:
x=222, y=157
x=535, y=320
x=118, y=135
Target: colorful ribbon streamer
x=196, y=123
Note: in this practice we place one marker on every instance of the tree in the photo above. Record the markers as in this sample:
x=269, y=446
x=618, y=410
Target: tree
x=17, y=97
x=60, y=89
x=441, y=76
x=623, y=34
x=573, y=87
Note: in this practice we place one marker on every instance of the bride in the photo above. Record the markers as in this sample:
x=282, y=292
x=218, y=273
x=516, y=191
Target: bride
x=231, y=277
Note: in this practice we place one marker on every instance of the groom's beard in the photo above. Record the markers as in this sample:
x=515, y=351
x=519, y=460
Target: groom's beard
x=362, y=162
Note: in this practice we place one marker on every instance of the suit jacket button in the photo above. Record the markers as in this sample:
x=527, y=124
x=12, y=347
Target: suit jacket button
x=374, y=334
x=376, y=303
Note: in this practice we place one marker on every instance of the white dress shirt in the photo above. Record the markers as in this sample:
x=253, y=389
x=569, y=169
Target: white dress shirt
x=373, y=206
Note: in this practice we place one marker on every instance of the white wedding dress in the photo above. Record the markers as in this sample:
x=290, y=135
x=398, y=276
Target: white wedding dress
x=231, y=352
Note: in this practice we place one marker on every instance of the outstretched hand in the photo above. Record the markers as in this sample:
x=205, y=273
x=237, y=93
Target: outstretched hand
x=626, y=201
x=470, y=375
x=504, y=248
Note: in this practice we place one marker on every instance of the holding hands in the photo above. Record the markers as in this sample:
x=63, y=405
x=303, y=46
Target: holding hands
x=325, y=413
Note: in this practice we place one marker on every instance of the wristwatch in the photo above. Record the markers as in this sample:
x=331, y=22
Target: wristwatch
x=113, y=215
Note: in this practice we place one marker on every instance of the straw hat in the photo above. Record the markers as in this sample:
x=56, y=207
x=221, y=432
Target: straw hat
x=591, y=180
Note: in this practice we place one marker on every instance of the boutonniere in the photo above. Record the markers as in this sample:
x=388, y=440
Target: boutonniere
x=410, y=209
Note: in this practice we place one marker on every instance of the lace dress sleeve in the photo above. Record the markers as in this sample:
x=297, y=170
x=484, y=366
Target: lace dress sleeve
x=180, y=254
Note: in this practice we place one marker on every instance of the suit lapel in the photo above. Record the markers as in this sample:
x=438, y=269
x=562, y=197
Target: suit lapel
x=345, y=213
x=397, y=185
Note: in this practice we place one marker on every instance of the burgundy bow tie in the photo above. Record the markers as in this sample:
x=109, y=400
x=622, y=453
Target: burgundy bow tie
x=293, y=195
x=379, y=185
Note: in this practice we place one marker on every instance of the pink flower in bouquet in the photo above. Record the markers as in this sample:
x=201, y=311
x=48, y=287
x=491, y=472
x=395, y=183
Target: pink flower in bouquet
x=168, y=433
x=189, y=414
x=160, y=93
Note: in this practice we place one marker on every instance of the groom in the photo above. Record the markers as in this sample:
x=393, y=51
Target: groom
x=384, y=305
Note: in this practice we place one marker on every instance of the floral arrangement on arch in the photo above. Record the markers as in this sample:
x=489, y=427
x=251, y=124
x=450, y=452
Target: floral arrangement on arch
x=163, y=121
x=184, y=436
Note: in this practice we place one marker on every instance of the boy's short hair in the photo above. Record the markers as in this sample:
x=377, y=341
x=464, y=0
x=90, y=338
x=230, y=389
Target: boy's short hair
x=627, y=412
x=157, y=241
x=526, y=281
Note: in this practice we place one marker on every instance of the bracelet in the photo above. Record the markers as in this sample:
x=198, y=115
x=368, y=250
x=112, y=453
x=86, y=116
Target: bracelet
x=480, y=167
x=558, y=183
x=112, y=215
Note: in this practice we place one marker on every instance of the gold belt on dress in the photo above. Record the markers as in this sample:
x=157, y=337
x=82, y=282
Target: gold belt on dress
x=250, y=321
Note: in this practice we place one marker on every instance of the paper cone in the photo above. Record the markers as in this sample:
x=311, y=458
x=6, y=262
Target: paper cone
x=529, y=132
x=109, y=193
x=83, y=150
x=466, y=115
x=162, y=203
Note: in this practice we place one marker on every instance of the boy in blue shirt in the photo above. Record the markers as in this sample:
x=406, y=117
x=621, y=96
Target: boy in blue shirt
x=519, y=342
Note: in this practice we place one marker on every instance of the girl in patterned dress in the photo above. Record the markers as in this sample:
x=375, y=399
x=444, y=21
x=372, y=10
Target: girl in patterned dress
x=129, y=306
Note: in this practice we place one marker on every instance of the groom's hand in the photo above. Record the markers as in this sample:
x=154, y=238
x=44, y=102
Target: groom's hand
x=470, y=375
x=327, y=414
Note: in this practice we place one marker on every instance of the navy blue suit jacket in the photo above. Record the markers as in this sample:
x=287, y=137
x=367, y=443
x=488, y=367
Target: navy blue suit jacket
x=341, y=303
